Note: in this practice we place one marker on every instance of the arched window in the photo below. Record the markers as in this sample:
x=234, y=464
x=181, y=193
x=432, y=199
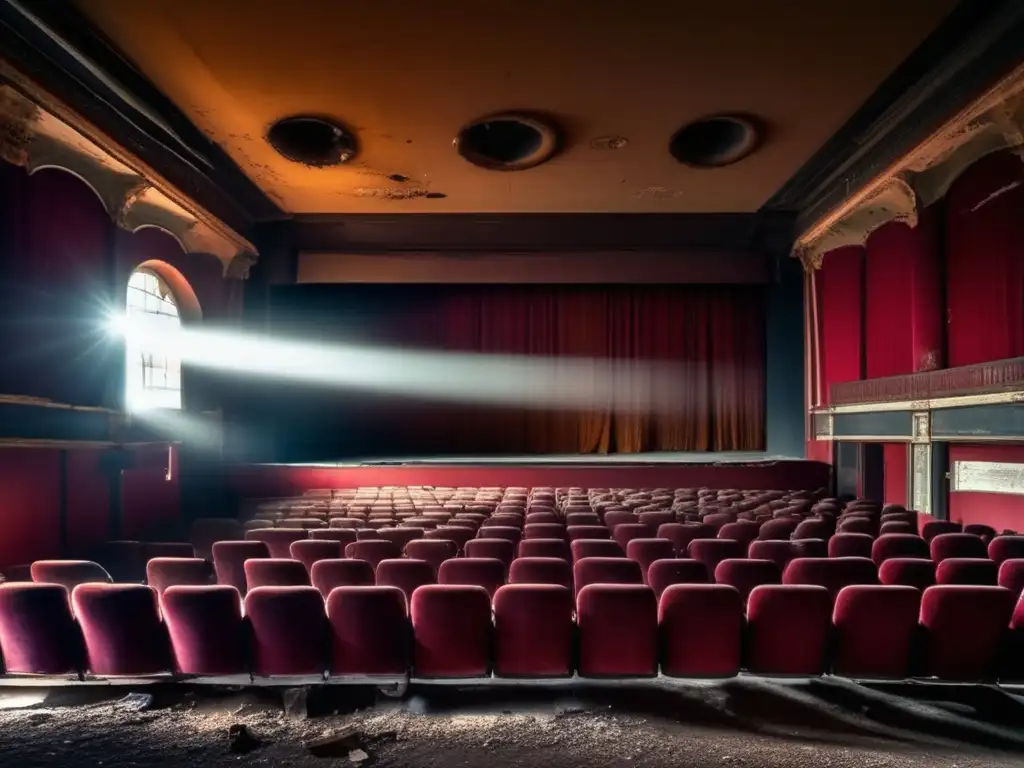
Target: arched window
x=152, y=373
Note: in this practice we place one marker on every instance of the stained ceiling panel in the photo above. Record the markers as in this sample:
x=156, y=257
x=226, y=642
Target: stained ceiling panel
x=404, y=76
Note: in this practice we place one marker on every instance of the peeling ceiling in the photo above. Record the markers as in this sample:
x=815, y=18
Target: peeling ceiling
x=619, y=78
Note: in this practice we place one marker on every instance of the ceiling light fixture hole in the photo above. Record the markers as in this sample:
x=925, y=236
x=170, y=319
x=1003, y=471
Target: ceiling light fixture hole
x=714, y=142
x=507, y=142
x=312, y=141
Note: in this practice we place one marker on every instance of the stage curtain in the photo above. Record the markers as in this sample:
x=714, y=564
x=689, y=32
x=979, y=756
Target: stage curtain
x=903, y=303
x=841, y=316
x=711, y=338
x=985, y=262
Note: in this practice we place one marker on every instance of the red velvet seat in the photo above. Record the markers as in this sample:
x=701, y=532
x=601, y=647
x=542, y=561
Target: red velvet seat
x=164, y=572
x=964, y=628
x=229, y=561
x=934, y=528
x=278, y=540
x=875, y=627
x=544, y=548
x=485, y=572
x=496, y=549
x=907, y=571
x=647, y=551
x=743, y=531
x=582, y=519
x=541, y=570
x=680, y=534
x=539, y=517
x=1011, y=575
x=654, y=519
x=897, y=526
x=787, y=629
x=898, y=545
x=606, y=570
x=503, y=521
x=858, y=524
x=615, y=519
x=544, y=531
x=122, y=629
x=346, y=523
x=401, y=537
x=372, y=551
x=664, y=573
x=533, y=629
x=451, y=630
x=289, y=631
x=369, y=631
x=308, y=551
x=701, y=628
x=330, y=574
x=618, y=629
x=743, y=574
x=815, y=528
x=779, y=552
x=459, y=534
x=780, y=529
x=275, y=572
x=1006, y=548
x=38, y=633
x=405, y=574
x=713, y=551
x=977, y=571
x=433, y=551
x=846, y=544
x=958, y=545
x=69, y=573
x=587, y=532
x=206, y=629
x=501, y=532
x=1012, y=665
x=985, y=532
x=833, y=573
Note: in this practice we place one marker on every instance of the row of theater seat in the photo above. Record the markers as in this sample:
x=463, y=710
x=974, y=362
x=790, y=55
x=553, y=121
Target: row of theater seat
x=955, y=633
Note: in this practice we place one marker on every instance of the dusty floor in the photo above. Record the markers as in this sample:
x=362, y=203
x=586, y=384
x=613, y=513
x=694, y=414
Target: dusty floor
x=736, y=723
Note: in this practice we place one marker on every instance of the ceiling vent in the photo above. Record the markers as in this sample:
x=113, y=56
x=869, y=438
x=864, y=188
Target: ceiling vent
x=312, y=141
x=509, y=141
x=713, y=142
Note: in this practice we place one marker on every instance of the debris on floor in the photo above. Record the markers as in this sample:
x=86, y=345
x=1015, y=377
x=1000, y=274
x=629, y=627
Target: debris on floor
x=136, y=702
x=242, y=741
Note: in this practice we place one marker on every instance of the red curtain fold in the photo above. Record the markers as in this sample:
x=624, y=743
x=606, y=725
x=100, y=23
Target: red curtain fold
x=841, y=316
x=903, y=318
x=985, y=262
x=619, y=343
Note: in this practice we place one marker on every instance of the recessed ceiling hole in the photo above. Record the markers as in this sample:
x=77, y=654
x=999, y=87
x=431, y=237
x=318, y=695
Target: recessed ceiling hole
x=398, y=177
x=312, y=141
x=435, y=195
x=714, y=142
x=509, y=142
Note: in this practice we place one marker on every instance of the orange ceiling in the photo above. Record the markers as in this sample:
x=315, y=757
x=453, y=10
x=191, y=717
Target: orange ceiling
x=407, y=74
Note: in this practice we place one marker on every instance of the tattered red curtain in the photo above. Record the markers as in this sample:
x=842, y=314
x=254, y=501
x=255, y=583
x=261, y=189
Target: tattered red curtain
x=710, y=339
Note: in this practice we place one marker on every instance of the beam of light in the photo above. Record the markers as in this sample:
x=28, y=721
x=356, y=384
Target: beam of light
x=503, y=380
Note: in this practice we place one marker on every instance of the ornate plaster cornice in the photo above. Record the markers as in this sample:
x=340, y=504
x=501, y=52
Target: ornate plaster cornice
x=35, y=139
x=993, y=123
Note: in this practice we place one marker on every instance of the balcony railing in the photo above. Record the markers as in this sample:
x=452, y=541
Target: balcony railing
x=983, y=378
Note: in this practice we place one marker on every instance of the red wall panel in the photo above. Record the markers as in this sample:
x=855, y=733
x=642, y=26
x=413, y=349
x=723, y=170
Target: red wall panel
x=29, y=505
x=985, y=261
x=88, y=499
x=841, y=316
x=1000, y=510
x=895, y=473
x=903, y=319
x=151, y=501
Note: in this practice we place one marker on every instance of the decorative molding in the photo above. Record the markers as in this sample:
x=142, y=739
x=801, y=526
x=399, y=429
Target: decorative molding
x=37, y=140
x=988, y=477
x=922, y=427
x=893, y=200
x=992, y=123
x=1000, y=377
